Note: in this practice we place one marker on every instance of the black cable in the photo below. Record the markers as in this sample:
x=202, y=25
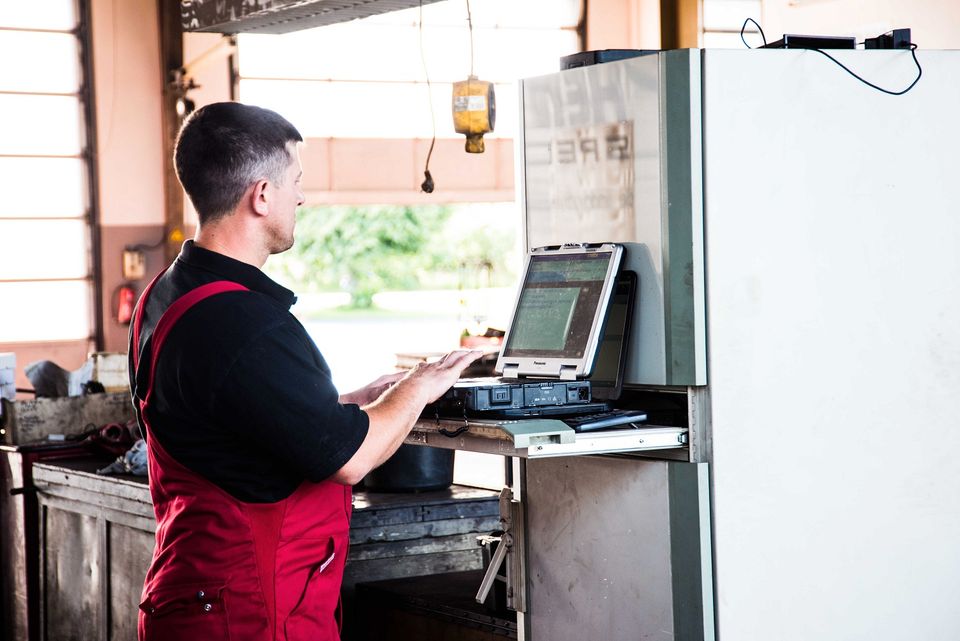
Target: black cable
x=913, y=52
x=470, y=24
x=744, y=28
x=427, y=185
x=142, y=246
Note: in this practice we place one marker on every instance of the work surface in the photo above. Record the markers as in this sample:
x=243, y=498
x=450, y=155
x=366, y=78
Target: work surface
x=77, y=479
x=99, y=540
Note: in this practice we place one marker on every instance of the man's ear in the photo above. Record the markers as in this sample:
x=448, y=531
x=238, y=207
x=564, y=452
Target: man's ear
x=260, y=197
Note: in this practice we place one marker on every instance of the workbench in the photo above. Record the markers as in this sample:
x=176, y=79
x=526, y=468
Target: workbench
x=97, y=538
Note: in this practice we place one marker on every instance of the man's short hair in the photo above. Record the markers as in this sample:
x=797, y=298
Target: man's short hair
x=225, y=147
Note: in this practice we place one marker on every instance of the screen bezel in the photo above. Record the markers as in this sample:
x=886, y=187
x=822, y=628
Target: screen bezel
x=605, y=389
x=563, y=367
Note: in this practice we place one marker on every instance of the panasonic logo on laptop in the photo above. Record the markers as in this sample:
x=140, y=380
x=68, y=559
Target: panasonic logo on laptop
x=539, y=362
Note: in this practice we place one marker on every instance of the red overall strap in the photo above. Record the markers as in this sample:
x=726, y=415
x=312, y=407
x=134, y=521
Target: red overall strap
x=138, y=318
x=170, y=318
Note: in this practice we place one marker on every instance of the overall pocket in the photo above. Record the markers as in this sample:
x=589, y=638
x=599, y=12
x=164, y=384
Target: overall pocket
x=185, y=612
x=313, y=615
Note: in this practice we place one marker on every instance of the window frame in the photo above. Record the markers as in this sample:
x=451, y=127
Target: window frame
x=88, y=156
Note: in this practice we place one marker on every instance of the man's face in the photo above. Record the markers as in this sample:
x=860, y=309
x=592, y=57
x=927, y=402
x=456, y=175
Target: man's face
x=288, y=195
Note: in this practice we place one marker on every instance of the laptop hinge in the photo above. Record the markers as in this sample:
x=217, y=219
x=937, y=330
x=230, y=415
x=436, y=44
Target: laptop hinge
x=568, y=372
x=511, y=370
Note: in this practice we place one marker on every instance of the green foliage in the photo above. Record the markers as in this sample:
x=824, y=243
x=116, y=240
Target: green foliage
x=363, y=250
x=480, y=255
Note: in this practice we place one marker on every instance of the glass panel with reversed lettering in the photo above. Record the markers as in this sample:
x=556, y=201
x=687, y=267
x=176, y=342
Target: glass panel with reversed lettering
x=45, y=222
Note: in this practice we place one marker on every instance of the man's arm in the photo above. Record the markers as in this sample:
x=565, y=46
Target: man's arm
x=393, y=414
x=372, y=391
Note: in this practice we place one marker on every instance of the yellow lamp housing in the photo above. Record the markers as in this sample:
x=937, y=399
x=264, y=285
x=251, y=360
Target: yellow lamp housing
x=474, y=111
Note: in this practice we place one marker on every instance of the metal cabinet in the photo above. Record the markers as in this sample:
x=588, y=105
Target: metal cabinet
x=617, y=544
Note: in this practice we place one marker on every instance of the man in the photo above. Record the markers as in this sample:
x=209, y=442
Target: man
x=252, y=452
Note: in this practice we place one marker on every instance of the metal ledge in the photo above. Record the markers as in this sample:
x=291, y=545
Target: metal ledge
x=540, y=438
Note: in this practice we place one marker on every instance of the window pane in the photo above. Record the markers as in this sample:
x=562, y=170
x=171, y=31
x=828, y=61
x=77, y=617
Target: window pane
x=46, y=14
x=479, y=470
x=511, y=54
x=369, y=110
x=40, y=125
x=43, y=249
x=328, y=90
x=45, y=187
x=500, y=54
x=319, y=53
x=45, y=311
x=729, y=15
x=45, y=62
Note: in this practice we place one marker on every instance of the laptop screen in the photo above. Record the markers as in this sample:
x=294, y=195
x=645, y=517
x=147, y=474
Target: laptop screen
x=557, y=312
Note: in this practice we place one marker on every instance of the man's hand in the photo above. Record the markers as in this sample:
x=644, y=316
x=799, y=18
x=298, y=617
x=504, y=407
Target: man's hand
x=433, y=379
x=372, y=391
x=395, y=411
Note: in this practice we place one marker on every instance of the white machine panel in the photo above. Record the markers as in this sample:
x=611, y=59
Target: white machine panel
x=833, y=276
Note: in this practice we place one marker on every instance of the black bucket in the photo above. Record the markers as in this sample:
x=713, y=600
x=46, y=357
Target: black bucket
x=413, y=468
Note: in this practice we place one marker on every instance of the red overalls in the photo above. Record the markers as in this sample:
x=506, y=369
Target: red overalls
x=225, y=569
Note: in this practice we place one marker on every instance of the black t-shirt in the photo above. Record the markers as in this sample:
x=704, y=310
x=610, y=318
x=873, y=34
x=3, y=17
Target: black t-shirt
x=241, y=394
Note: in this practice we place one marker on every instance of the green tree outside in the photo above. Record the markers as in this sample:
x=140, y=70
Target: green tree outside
x=363, y=250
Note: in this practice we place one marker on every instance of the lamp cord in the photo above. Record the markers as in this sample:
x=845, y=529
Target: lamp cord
x=427, y=184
